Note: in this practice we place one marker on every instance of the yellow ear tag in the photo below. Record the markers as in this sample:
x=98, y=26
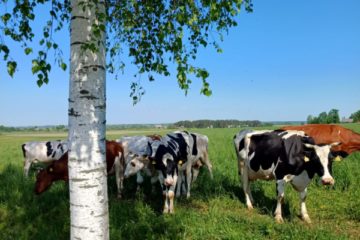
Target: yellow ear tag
x=337, y=159
x=306, y=159
x=51, y=169
x=153, y=162
x=180, y=162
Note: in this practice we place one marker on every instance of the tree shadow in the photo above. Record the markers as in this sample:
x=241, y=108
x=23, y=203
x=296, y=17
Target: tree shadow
x=23, y=215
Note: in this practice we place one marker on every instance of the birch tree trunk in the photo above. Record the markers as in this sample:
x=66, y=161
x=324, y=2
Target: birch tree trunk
x=87, y=163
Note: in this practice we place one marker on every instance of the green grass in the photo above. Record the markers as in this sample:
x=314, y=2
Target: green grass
x=216, y=209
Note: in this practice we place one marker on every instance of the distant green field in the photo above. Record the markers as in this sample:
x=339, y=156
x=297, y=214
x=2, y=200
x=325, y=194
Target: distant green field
x=216, y=209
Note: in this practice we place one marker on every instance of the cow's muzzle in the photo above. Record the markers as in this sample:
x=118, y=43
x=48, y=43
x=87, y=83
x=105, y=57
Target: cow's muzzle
x=169, y=182
x=327, y=181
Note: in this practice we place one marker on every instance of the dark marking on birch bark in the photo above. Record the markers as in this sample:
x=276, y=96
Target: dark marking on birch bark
x=94, y=67
x=76, y=205
x=79, y=179
x=84, y=91
x=89, y=186
x=77, y=43
x=103, y=106
x=100, y=169
x=101, y=215
x=79, y=17
x=71, y=101
x=89, y=97
x=79, y=227
x=73, y=113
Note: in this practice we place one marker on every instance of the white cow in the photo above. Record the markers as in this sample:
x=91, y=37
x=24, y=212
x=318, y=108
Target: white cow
x=45, y=152
x=136, y=161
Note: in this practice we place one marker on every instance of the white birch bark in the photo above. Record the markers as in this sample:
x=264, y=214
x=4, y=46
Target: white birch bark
x=87, y=164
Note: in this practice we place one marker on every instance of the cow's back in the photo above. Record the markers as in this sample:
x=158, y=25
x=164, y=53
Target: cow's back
x=330, y=133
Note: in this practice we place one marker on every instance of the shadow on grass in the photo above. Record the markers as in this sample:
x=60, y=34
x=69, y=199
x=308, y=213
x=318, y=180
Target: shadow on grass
x=23, y=215
x=206, y=188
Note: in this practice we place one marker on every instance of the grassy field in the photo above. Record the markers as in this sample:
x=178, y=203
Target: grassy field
x=216, y=209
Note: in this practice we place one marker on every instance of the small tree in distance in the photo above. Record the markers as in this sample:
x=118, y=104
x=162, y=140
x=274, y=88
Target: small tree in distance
x=323, y=118
x=355, y=116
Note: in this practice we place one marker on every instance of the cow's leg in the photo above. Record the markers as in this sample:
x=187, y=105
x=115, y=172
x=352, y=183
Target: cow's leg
x=27, y=165
x=300, y=184
x=280, y=189
x=303, y=210
x=153, y=180
x=139, y=180
x=246, y=187
x=188, y=178
x=171, y=196
x=166, y=202
x=164, y=192
x=179, y=183
x=195, y=172
x=119, y=175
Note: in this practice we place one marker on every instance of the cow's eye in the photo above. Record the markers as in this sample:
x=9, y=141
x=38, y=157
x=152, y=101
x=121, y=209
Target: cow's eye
x=133, y=164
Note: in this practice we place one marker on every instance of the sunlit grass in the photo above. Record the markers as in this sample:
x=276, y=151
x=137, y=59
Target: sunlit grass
x=216, y=209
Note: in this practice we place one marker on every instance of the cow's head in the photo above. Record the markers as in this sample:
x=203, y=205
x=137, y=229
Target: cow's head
x=321, y=159
x=135, y=163
x=44, y=180
x=58, y=170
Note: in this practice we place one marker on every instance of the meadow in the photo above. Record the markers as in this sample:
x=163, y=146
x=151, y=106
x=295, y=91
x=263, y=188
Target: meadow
x=216, y=209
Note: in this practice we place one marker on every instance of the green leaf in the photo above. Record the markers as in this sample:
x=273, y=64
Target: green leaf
x=4, y=48
x=63, y=66
x=11, y=67
x=35, y=66
x=39, y=82
x=5, y=18
x=28, y=51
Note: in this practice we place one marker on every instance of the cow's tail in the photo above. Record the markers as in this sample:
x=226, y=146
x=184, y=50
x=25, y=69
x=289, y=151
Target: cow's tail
x=23, y=149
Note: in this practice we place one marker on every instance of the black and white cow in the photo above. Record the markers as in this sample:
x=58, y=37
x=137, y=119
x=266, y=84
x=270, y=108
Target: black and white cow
x=172, y=155
x=286, y=156
x=139, y=161
x=199, y=157
x=44, y=152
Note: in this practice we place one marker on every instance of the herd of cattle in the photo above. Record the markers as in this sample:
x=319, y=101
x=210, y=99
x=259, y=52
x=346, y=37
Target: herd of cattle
x=292, y=154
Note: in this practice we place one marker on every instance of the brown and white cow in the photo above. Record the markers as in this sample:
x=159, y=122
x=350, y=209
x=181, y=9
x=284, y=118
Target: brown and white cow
x=329, y=133
x=58, y=170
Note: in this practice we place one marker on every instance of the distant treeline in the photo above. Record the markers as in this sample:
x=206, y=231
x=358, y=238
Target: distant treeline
x=58, y=128
x=64, y=128
x=219, y=124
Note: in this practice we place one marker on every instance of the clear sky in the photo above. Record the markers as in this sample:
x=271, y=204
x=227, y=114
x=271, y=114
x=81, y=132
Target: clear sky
x=284, y=61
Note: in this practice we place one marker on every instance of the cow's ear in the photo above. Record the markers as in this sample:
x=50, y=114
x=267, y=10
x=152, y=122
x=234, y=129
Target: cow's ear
x=308, y=145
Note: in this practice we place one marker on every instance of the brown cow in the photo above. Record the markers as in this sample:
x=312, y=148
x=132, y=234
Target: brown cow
x=329, y=133
x=58, y=170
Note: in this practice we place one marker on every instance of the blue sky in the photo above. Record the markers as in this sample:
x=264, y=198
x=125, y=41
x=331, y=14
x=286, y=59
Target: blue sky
x=284, y=61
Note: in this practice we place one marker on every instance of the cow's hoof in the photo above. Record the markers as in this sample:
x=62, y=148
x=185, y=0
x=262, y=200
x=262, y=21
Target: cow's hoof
x=306, y=219
x=279, y=219
x=250, y=207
